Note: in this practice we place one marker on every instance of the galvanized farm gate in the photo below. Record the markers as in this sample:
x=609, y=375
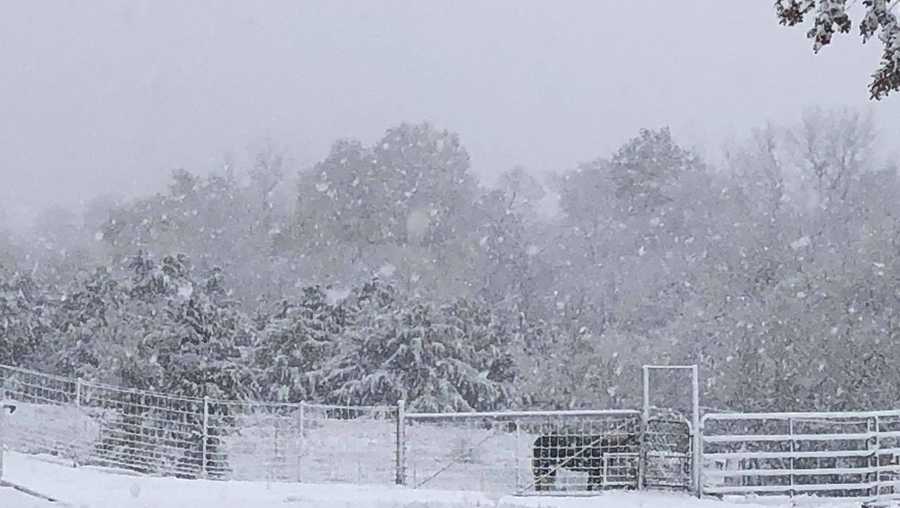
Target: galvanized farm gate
x=842, y=456
x=544, y=452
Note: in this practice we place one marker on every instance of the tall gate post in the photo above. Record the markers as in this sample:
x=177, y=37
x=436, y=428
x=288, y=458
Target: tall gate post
x=516, y=457
x=645, y=427
x=401, y=443
x=697, y=465
x=696, y=433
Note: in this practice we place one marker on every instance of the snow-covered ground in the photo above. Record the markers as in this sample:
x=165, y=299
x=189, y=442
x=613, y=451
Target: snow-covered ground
x=92, y=488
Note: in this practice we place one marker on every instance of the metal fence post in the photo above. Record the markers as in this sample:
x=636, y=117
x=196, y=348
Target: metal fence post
x=516, y=456
x=78, y=388
x=695, y=423
x=302, y=429
x=645, y=428
x=793, y=450
x=401, y=443
x=203, y=471
x=877, y=459
x=699, y=442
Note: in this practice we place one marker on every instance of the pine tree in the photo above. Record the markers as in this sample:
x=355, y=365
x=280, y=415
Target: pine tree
x=24, y=319
x=293, y=346
x=85, y=324
x=188, y=345
x=435, y=359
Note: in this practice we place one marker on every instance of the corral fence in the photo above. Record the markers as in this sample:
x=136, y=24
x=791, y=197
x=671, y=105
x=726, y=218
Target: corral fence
x=849, y=456
x=846, y=456
x=525, y=452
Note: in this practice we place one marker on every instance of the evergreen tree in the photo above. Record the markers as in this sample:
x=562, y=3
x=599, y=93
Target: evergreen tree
x=294, y=344
x=85, y=322
x=25, y=322
x=422, y=355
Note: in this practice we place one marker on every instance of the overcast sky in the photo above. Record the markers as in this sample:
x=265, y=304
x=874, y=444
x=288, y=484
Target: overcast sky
x=106, y=96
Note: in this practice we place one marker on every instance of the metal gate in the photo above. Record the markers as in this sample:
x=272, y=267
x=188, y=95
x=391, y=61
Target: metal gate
x=523, y=452
x=667, y=460
x=670, y=445
x=844, y=456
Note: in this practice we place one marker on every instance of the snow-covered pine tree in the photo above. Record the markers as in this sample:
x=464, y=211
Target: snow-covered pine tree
x=411, y=350
x=196, y=348
x=364, y=313
x=188, y=335
x=24, y=319
x=293, y=345
x=84, y=321
x=486, y=346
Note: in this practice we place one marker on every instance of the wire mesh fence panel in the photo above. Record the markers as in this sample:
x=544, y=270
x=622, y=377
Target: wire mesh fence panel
x=524, y=452
x=144, y=432
x=47, y=420
x=356, y=444
x=303, y=442
x=254, y=441
x=155, y=434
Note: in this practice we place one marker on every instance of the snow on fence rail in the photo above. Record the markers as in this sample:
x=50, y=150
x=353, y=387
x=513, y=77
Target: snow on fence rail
x=846, y=455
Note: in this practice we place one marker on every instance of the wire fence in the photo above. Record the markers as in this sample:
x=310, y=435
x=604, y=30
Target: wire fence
x=524, y=451
x=156, y=434
x=851, y=455
x=91, y=424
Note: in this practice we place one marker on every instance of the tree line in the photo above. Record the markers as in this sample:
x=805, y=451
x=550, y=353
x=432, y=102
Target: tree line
x=388, y=271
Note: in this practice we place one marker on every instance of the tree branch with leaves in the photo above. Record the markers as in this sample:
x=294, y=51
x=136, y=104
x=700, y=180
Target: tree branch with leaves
x=831, y=17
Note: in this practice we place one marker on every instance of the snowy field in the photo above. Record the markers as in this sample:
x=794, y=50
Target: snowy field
x=93, y=488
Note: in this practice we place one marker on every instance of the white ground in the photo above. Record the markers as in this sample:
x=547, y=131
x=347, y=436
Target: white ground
x=93, y=488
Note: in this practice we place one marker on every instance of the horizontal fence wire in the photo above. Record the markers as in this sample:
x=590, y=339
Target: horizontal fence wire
x=91, y=424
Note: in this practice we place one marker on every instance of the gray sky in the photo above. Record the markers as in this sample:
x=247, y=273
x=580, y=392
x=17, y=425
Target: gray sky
x=106, y=96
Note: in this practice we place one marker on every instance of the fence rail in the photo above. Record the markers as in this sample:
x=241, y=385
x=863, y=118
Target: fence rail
x=844, y=455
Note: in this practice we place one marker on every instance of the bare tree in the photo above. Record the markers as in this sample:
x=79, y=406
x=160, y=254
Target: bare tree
x=832, y=148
